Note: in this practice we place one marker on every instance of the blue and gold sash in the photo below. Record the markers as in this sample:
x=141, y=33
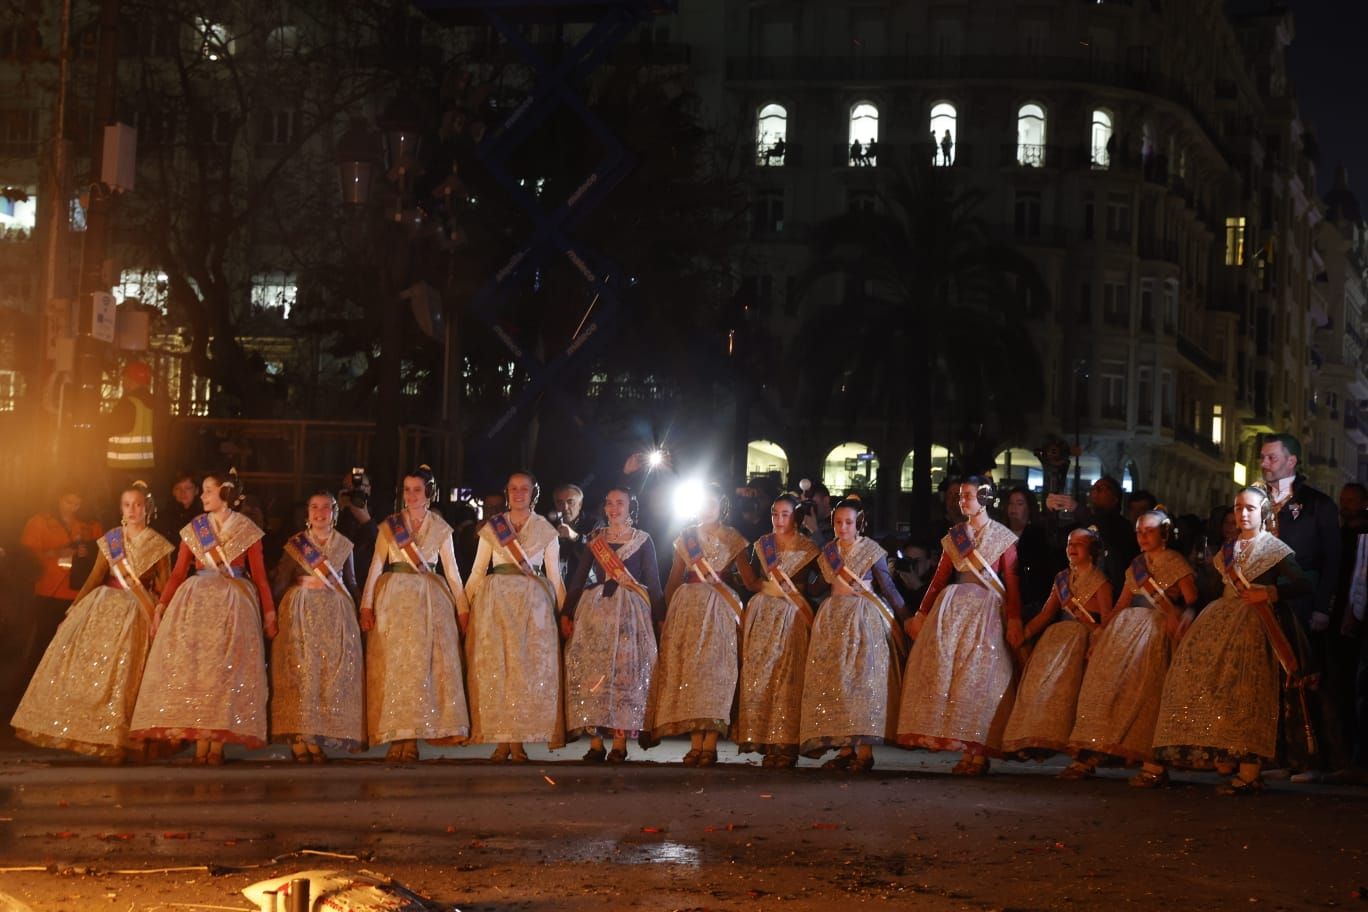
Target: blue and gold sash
x=309, y=556
x=1069, y=602
x=698, y=562
x=832, y=552
x=768, y=549
x=403, y=540
x=210, y=548
x=964, y=545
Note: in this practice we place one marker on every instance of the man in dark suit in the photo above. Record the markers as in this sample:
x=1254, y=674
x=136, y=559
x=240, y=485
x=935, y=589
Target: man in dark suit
x=1307, y=520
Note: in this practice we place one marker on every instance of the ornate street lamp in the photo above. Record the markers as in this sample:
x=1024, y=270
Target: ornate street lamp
x=358, y=156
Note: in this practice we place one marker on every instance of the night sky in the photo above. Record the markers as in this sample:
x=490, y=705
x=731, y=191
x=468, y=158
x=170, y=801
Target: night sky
x=1328, y=49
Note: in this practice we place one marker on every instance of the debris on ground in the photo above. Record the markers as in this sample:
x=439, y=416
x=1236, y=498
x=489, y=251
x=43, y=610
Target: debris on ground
x=341, y=891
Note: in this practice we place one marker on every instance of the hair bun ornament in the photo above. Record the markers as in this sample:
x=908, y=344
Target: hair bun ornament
x=1159, y=508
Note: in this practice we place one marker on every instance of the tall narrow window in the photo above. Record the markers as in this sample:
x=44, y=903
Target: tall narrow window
x=1217, y=425
x=944, y=133
x=771, y=135
x=1031, y=135
x=864, y=133
x=1235, y=241
x=1113, y=388
x=1102, y=143
x=769, y=212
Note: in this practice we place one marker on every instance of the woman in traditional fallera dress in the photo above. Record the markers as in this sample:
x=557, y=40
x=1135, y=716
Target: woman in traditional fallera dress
x=695, y=681
x=206, y=675
x=609, y=625
x=777, y=623
x=1221, y=705
x=850, y=681
x=81, y=698
x=317, y=670
x=513, y=639
x=957, y=690
x=1046, y=701
x=1118, y=703
x=415, y=687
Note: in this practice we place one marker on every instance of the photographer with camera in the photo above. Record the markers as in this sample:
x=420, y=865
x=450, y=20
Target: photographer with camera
x=572, y=524
x=354, y=519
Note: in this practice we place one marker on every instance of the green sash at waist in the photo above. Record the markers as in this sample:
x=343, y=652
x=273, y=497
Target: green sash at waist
x=404, y=567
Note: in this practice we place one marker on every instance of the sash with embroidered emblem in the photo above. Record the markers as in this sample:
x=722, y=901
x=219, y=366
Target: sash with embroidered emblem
x=832, y=552
x=1070, y=602
x=403, y=540
x=1282, y=648
x=210, y=549
x=698, y=561
x=309, y=556
x=1149, y=586
x=768, y=548
x=508, y=540
x=964, y=545
x=502, y=530
x=613, y=566
x=122, y=567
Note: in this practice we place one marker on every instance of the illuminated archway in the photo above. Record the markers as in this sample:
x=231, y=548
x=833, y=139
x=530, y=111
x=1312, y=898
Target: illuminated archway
x=940, y=461
x=850, y=466
x=763, y=456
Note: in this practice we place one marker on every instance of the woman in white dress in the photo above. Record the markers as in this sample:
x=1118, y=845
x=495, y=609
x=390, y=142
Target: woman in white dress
x=959, y=684
x=317, y=671
x=513, y=638
x=81, y=698
x=854, y=664
x=1047, y=699
x=206, y=676
x=609, y=625
x=1118, y=703
x=1222, y=698
x=414, y=683
x=778, y=622
x=695, y=681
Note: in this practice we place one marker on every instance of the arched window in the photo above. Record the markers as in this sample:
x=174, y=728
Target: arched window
x=1019, y=466
x=864, y=133
x=771, y=135
x=850, y=467
x=1031, y=135
x=764, y=456
x=944, y=133
x=940, y=458
x=1101, y=139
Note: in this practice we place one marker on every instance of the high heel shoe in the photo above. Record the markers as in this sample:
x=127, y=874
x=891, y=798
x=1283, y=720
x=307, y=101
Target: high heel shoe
x=841, y=761
x=691, y=758
x=500, y=753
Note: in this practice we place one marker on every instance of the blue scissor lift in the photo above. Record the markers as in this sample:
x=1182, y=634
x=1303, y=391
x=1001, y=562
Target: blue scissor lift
x=610, y=23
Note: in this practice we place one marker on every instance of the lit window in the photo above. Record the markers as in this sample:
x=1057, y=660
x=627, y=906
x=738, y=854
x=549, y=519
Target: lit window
x=147, y=286
x=765, y=456
x=771, y=135
x=864, y=134
x=1235, y=241
x=1217, y=425
x=215, y=42
x=850, y=466
x=944, y=134
x=274, y=291
x=940, y=460
x=1101, y=138
x=1031, y=135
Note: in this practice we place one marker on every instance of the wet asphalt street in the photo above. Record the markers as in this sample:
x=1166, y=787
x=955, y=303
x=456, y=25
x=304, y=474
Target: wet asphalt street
x=558, y=834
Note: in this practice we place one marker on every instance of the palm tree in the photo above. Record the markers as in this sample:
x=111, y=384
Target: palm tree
x=933, y=318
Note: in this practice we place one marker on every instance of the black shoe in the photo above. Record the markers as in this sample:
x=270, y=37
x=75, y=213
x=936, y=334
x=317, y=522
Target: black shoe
x=595, y=755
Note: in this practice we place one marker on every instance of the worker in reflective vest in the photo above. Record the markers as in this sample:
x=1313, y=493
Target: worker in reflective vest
x=130, y=446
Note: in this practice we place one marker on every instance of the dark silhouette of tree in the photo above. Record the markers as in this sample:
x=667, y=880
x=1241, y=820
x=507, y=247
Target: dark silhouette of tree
x=930, y=320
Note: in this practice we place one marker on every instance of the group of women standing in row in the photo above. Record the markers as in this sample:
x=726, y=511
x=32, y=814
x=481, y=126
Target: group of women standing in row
x=150, y=655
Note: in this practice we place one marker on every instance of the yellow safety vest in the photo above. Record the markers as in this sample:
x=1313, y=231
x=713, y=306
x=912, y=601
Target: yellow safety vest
x=133, y=449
